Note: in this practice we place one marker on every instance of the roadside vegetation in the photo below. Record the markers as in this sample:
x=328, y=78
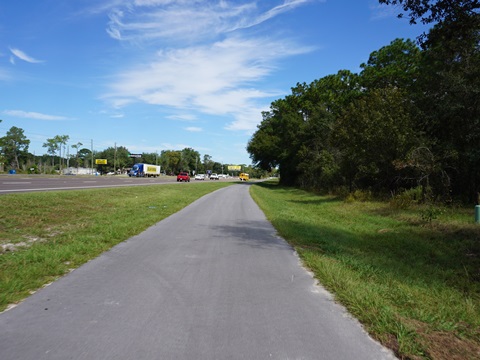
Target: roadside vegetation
x=45, y=235
x=409, y=272
x=409, y=118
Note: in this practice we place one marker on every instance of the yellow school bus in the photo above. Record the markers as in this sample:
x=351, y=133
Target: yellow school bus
x=244, y=177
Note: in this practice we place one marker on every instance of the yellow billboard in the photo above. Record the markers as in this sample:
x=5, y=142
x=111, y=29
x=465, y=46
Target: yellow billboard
x=234, y=168
x=101, y=161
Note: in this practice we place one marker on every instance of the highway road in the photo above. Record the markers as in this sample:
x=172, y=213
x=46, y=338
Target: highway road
x=212, y=281
x=25, y=183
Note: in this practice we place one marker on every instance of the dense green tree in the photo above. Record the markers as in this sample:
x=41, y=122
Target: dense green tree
x=149, y=158
x=54, y=145
x=85, y=156
x=264, y=146
x=288, y=121
x=317, y=159
x=457, y=17
x=411, y=115
x=375, y=131
x=395, y=65
x=217, y=167
x=62, y=142
x=171, y=161
x=117, y=158
x=2, y=155
x=437, y=10
x=330, y=93
x=15, y=146
x=448, y=89
x=450, y=105
x=207, y=163
x=52, y=148
x=295, y=134
x=77, y=148
x=190, y=159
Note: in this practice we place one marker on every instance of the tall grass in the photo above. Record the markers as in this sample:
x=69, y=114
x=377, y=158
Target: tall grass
x=46, y=234
x=415, y=285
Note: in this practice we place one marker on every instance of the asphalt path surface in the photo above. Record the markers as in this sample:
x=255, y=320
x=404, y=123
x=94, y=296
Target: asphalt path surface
x=212, y=281
x=26, y=183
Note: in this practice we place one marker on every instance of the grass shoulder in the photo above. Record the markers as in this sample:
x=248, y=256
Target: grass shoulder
x=414, y=284
x=44, y=235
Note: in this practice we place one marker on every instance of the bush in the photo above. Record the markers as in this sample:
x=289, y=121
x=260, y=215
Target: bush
x=406, y=198
x=33, y=170
x=430, y=213
x=359, y=195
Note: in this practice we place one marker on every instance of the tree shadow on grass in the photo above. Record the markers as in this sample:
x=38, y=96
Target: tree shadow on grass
x=398, y=253
x=321, y=199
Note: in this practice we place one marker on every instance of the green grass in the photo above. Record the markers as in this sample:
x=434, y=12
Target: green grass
x=50, y=233
x=415, y=285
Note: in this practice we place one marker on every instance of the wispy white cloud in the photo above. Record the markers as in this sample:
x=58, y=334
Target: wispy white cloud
x=247, y=120
x=207, y=65
x=34, y=115
x=182, y=117
x=23, y=56
x=382, y=11
x=194, y=129
x=141, y=20
x=271, y=13
x=216, y=79
x=174, y=22
x=162, y=146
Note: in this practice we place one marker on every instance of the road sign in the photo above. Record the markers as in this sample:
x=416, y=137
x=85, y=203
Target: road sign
x=135, y=155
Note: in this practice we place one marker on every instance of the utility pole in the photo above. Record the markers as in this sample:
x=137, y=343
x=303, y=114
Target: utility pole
x=92, y=156
x=68, y=157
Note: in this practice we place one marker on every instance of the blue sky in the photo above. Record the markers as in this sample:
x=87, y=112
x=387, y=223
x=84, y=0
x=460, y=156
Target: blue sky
x=155, y=75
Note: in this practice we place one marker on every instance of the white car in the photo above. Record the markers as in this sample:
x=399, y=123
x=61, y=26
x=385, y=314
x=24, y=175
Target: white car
x=214, y=177
x=200, y=177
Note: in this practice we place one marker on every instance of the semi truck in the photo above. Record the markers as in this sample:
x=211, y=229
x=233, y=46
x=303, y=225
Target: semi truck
x=144, y=170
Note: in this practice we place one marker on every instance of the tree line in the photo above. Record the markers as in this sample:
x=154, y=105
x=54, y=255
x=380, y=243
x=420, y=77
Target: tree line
x=14, y=154
x=409, y=118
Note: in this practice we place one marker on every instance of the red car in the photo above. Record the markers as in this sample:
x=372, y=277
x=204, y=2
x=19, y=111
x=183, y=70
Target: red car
x=183, y=176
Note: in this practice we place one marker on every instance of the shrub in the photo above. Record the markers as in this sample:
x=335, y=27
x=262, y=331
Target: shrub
x=430, y=213
x=406, y=198
x=358, y=195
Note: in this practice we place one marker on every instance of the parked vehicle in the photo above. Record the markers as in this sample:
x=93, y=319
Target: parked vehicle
x=200, y=177
x=214, y=177
x=144, y=170
x=183, y=176
x=244, y=177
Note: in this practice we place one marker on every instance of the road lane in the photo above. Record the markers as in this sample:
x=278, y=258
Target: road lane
x=212, y=281
x=13, y=184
